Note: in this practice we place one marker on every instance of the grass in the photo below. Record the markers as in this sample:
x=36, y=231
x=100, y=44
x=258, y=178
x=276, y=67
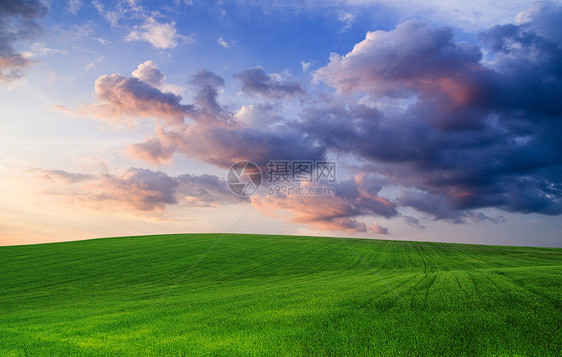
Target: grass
x=201, y=294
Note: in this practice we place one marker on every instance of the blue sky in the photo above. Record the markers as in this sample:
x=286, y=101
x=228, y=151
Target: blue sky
x=123, y=118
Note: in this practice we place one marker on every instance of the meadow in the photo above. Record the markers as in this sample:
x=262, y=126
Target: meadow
x=261, y=295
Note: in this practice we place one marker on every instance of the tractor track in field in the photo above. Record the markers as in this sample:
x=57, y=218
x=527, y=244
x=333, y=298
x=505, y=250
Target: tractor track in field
x=426, y=298
x=421, y=253
x=460, y=286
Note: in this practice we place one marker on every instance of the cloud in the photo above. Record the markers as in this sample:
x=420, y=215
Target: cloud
x=347, y=19
x=125, y=96
x=119, y=96
x=207, y=85
x=140, y=189
x=155, y=150
x=221, y=145
x=39, y=49
x=61, y=176
x=150, y=74
x=17, y=22
x=322, y=212
x=544, y=18
x=305, y=66
x=111, y=16
x=353, y=198
x=256, y=82
x=223, y=43
x=129, y=9
x=412, y=59
x=92, y=64
x=472, y=133
x=376, y=228
x=258, y=115
x=159, y=35
x=437, y=208
x=412, y=221
x=468, y=15
x=74, y=6
x=75, y=32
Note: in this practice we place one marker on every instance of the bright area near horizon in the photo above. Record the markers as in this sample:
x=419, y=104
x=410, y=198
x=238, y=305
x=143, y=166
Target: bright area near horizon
x=443, y=119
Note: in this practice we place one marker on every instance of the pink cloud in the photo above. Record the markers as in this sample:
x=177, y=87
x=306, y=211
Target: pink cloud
x=139, y=189
x=338, y=212
x=119, y=97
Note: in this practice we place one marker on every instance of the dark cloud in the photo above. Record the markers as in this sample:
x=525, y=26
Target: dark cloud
x=256, y=82
x=475, y=134
x=141, y=188
x=543, y=17
x=413, y=221
x=207, y=84
x=223, y=146
x=436, y=207
x=205, y=190
x=362, y=193
x=397, y=62
x=17, y=22
x=416, y=61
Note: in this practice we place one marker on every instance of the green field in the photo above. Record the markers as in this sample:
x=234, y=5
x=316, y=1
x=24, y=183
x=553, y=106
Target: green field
x=206, y=294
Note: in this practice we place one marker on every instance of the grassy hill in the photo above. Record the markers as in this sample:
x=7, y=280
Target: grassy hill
x=206, y=294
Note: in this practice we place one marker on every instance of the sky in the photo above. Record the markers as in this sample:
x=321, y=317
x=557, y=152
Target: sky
x=441, y=120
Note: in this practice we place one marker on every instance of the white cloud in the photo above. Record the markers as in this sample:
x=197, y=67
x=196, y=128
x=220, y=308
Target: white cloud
x=149, y=73
x=465, y=14
x=347, y=18
x=74, y=6
x=305, y=66
x=39, y=49
x=159, y=35
x=111, y=16
x=468, y=15
x=92, y=64
x=74, y=33
x=222, y=42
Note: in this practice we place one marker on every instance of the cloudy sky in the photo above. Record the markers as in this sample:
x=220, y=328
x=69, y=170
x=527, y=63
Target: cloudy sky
x=444, y=119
